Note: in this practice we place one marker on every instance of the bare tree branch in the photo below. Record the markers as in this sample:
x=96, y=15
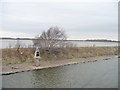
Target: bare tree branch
x=53, y=37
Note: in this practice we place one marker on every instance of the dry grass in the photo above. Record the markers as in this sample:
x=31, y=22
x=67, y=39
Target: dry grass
x=12, y=56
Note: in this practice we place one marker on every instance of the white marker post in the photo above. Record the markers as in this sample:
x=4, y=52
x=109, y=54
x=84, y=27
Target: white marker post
x=37, y=57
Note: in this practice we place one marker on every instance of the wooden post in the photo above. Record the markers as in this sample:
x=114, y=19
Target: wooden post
x=37, y=57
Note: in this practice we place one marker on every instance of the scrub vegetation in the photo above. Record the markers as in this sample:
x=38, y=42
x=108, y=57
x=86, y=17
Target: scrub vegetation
x=12, y=56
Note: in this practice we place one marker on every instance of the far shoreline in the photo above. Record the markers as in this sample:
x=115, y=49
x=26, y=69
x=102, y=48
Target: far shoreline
x=12, y=69
x=91, y=40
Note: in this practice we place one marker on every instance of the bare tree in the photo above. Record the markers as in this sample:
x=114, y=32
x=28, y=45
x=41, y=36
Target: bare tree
x=53, y=37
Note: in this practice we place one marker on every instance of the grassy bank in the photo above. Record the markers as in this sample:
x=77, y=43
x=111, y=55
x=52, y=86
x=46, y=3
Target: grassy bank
x=12, y=56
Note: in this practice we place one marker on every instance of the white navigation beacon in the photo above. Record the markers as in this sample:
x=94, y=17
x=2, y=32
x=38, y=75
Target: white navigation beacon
x=37, y=53
x=37, y=56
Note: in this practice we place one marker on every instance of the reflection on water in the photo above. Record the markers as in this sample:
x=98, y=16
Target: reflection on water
x=49, y=78
x=101, y=74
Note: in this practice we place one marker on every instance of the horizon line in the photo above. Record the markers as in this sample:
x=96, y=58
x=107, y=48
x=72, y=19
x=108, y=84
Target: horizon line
x=28, y=38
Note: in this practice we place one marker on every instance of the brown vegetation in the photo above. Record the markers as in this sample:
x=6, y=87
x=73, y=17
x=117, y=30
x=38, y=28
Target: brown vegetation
x=12, y=56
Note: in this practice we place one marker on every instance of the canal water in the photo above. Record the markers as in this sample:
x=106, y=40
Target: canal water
x=100, y=74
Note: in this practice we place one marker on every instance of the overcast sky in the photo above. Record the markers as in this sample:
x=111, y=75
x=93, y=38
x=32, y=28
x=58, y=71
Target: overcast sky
x=81, y=19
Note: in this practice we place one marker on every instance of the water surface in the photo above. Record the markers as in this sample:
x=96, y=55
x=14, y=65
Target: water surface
x=29, y=43
x=100, y=74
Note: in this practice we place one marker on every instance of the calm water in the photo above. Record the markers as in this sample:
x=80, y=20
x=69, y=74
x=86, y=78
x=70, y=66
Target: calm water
x=13, y=43
x=29, y=43
x=101, y=74
x=1, y=82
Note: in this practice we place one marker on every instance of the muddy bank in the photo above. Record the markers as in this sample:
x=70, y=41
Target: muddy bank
x=16, y=68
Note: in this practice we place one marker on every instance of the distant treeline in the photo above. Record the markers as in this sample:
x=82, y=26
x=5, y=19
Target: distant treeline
x=102, y=40
x=92, y=40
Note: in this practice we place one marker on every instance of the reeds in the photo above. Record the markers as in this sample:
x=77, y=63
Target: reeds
x=12, y=56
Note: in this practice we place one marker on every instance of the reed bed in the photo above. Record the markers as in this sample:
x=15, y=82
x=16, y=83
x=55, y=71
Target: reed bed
x=13, y=56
